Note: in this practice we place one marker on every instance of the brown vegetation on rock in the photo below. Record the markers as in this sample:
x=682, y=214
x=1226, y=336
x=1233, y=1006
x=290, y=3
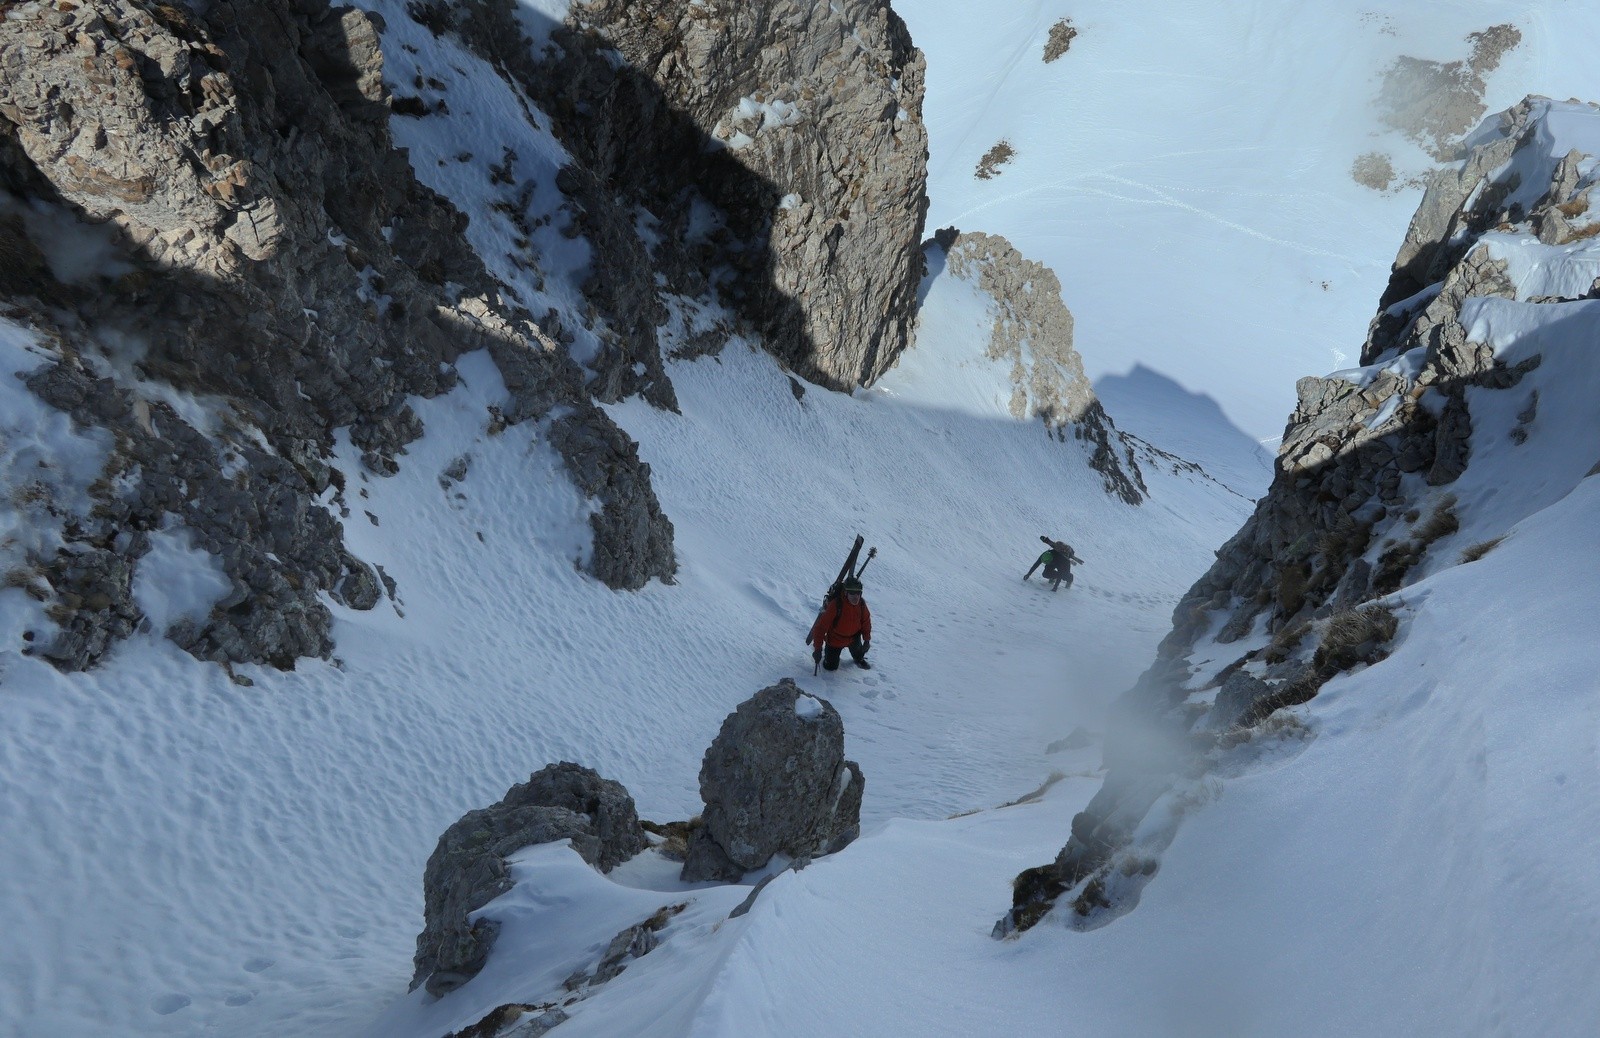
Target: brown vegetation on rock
x=993, y=159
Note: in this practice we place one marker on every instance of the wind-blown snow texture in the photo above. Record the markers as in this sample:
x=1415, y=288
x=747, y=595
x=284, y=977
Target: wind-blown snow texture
x=187, y=856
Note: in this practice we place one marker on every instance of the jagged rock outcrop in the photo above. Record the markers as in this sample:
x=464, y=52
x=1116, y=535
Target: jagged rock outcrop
x=780, y=145
x=468, y=868
x=265, y=246
x=774, y=781
x=1032, y=334
x=1358, y=501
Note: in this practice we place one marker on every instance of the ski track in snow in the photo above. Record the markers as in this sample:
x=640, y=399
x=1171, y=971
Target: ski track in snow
x=1158, y=197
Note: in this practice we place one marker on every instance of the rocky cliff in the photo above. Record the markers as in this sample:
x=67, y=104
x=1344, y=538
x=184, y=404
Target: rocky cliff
x=1032, y=336
x=227, y=267
x=780, y=145
x=1363, y=503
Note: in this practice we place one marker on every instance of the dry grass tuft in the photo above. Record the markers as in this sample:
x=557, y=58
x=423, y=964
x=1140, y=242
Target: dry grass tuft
x=1442, y=523
x=674, y=845
x=1477, y=551
x=1286, y=641
x=1355, y=636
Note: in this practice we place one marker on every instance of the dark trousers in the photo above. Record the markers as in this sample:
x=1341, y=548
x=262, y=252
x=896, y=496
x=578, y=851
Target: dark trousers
x=830, y=653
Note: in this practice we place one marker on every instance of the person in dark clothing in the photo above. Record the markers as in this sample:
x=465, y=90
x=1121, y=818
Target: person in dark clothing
x=844, y=623
x=1057, y=560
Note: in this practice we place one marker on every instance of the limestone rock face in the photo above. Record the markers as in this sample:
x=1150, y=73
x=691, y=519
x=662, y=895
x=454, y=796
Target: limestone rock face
x=267, y=247
x=782, y=140
x=1358, y=500
x=468, y=868
x=774, y=781
x=1032, y=335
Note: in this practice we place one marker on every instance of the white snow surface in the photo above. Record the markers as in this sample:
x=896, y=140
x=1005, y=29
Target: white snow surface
x=187, y=856
x=1185, y=167
x=203, y=857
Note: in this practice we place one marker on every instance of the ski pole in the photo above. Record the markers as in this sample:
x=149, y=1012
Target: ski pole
x=872, y=553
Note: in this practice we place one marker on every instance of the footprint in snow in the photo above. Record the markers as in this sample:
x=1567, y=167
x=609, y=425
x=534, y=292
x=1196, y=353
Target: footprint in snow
x=239, y=998
x=166, y=1005
x=258, y=964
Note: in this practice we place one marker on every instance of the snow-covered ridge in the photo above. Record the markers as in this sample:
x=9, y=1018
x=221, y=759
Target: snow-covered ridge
x=1414, y=500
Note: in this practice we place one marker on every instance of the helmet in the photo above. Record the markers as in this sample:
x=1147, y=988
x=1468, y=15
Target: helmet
x=853, y=585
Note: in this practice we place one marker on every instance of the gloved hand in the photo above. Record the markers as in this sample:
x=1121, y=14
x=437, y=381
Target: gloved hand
x=866, y=646
x=816, y=655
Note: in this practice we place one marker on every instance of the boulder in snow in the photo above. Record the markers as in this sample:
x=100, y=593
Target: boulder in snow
x=775, y=781
x=468, y=868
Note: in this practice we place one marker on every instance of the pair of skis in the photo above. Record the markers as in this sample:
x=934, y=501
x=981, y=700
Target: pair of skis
x=848, y=570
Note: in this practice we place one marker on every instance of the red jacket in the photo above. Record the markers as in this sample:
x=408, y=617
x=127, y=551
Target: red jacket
x=840, y=622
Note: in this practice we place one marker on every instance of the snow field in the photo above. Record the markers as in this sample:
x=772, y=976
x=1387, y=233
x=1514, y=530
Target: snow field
x=248, y=859
x=198, y=857
x=1185, y=168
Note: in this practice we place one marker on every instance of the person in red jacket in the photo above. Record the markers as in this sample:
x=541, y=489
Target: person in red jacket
x=844, y=623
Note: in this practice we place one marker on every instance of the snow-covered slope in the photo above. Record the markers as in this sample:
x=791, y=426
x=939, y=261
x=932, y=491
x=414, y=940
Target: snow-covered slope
x=262, y=847
x=1186, y=168
x=189, y=855
x=1412, y=852
x=205, y=855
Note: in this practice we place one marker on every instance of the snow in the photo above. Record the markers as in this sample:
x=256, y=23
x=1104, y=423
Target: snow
x=1185, y=167
x=808, y=708
x=187, y=855
x=44, y=461
x=1559, y=128
x=258, y=851
x=76, y=252
x=1562, y=271
x=539, y=17
x=190, y=580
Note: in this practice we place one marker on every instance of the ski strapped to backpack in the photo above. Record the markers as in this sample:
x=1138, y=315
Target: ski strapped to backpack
x=1071, y=555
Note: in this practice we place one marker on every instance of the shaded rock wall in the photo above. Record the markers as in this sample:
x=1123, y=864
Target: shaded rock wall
x=270, y=249
x=780, y=145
